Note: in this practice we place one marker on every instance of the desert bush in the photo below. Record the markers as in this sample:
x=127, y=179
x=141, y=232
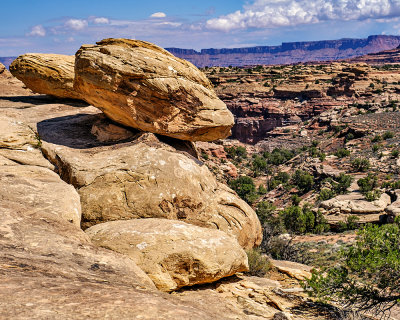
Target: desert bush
x=373, y=195
x=258, y=165
x=360, y=164
x=278, y=156
x=245, y=188
x=388, y=135
x=326, y=194
x=236, y=153
x=342, y=152
x=368, y=277
x=351, y=223
x=303, y=181
x=368, y=183
x=302, y=220
x=259, y=264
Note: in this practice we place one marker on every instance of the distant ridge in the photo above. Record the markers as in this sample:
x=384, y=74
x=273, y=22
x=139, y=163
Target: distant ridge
x=379, y=58
x=7, y=61
x=289, y=52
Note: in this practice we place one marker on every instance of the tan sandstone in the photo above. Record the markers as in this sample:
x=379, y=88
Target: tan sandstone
x=140, y=85
x=174, y=254
x=51, y=74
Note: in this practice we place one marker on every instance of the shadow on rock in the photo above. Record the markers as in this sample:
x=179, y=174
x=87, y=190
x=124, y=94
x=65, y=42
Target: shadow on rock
x=45, y=99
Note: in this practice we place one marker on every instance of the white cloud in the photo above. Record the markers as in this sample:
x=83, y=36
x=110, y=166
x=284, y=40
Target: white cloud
x=101, y=20
x=76, y=24
x=278, y=13
x=158, y=15
x=37, y=31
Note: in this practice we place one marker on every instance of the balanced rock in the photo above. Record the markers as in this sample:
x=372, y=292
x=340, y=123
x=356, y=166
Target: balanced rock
x=174, y=254
x=140, y=85
x=51, y=74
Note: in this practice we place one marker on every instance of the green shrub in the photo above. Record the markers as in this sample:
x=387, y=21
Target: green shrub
x=302, y=220
x=259, y=264
x=373, y=195
x=388, y=135
x=376, y=138
x=295, y=200
x=367, y=276
x=360, y=164
x=258, y=165
x=236, y=153
x=326, y=194
x=395, y=153
x=245, y=188
x=350, y=224
x=278, y=156
x=342, y=183
x=375, y=148
x=368, y=183
x=265, y=211
x=303, y=181
x=342, y=152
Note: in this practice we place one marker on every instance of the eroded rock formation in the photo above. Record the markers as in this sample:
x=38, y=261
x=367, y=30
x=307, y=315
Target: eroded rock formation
x=51, y=74
x=174, y=254
x=140, y=85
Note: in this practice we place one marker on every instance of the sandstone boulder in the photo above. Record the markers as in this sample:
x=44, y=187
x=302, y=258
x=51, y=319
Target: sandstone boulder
x=51, y=74
x=341, y=207
x=174, y=254
x=140, y=85
x=143, y=178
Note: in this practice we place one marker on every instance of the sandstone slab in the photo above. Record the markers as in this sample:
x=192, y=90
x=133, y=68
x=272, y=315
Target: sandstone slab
x=40, y=189
x=146, y=177
x=140, y=85
x=51, y=74
x=174, y=254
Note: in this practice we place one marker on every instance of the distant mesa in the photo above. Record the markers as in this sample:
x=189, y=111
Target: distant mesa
x=288, y=53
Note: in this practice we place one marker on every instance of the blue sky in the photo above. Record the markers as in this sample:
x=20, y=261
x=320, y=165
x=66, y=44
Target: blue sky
x=62, y=26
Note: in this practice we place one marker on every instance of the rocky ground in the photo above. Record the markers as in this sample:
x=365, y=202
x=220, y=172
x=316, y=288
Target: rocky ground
x=86, y=202
x=64, y=169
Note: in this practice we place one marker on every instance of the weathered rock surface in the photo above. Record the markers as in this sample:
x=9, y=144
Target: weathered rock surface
x=51, y=74
x=355, y=204
x=394, y=208
x=174, y=254
x=143, y=178
x=40, y=189
x=140, y=85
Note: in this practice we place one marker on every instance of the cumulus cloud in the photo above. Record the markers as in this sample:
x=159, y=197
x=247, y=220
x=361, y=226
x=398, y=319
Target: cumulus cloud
x=76, y=24
x=37, y=31
x=101, y=20
x=278, y=13
x=158, y=15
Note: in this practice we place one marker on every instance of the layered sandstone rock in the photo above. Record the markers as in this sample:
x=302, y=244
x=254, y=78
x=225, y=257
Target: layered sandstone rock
x=51, y=74
x=340, y=207
x=143, y=86
x=143, y=178
x=174, y=254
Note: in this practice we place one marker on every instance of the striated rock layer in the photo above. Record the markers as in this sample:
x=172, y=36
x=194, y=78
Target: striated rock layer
x=140, y=85
x=174, y=254
x=51, y=74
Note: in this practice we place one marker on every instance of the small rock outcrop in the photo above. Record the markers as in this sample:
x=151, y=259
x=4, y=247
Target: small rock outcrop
x=174, y=254
x=145, y=177
x=51, y=74
x=140, y=85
